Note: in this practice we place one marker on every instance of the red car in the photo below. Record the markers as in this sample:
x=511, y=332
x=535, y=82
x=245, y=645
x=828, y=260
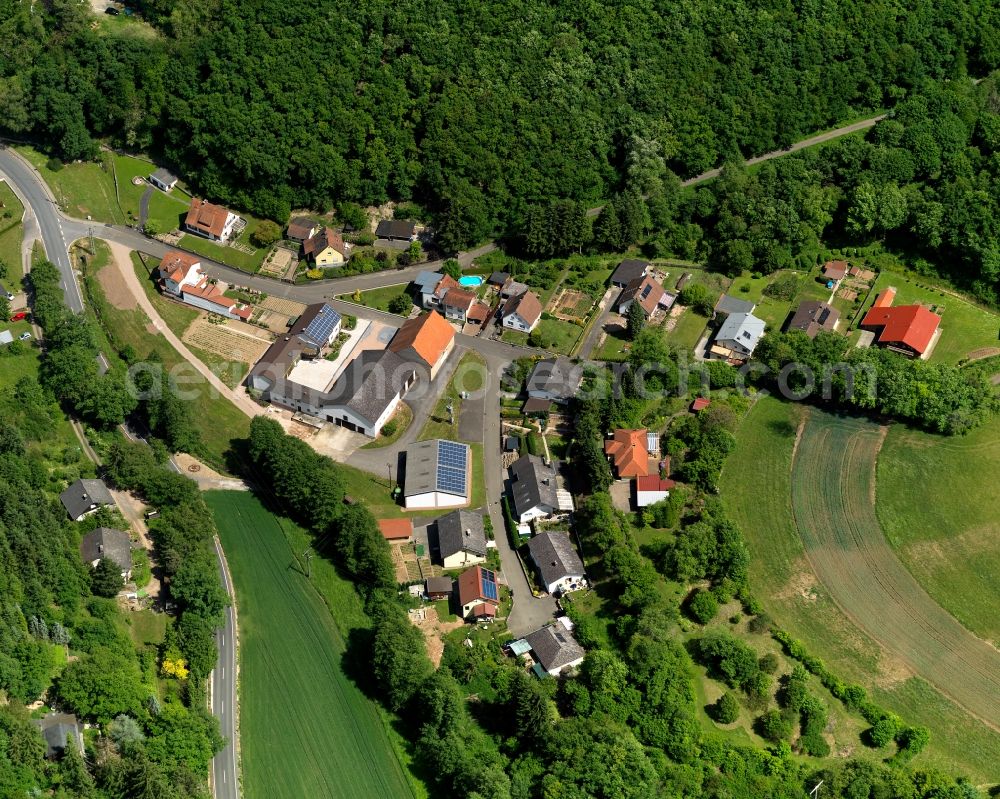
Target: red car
x=19, y=316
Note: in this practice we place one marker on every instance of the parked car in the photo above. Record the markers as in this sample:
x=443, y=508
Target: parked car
x=6, y=293
x=114, y=12
x=151, y=514
x=25, y=337
x=19, y=316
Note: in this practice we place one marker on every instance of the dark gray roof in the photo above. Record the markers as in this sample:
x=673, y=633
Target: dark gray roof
x=554, y=646
x=164, y=176
x=533, y=483
x=439, y=585
x=107, y=543
x=813, y=316
x=395, y=229
x=555, y=556
x=628, y=270
x=557, y=376
x=732, y=305
x=461, y=531
x=84, y=496
x=284, y=353
x=369, y=383
x=427, y=281
x=58, y=729
x=316, y=323
x=498, y=278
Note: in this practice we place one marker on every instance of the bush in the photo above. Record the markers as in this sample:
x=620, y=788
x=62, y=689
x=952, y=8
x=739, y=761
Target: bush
x=703, y=607
x=727, y=709
x=768, y=663
x=266, y=233
x=53, y=164
x=400, y=304
x=883, y=732
x=774, y=727
x=760, y=623
x=389, y=428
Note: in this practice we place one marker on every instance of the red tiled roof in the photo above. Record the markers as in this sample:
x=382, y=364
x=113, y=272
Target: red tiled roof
x=700, y=404
x=428, y=335
x=396, y=529
x=207, y=217
x=325, y=237
x=470, y=587
x=446, y=283
x=175, y=265
x=526, y=305
x=644, y=290
x=457, y=298
x=484, y=610
x=627, y=449
x=911, y=326
x=835, y=270
x=653, y=482
x=479, y=312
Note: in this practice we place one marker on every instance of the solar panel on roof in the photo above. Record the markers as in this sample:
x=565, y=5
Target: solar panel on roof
x=645, y=291
x=320, y=328
x=452, y=467
x=489, y=584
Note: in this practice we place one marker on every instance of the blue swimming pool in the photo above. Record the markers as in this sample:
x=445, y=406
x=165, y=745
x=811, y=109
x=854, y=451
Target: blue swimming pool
x=470, y=280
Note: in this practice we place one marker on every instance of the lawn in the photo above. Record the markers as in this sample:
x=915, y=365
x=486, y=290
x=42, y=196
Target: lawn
x=218, y=421
x=943, y=518
x=305, y=727
x=965, y=327
x=376, y=298
x=758, y=494
x=470, y=372
x=689, y=329
x=82, y=190
x=11, y=236
x=246, y=261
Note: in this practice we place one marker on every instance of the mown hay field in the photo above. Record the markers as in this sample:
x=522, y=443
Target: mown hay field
x=804, y=499
x=305, y=728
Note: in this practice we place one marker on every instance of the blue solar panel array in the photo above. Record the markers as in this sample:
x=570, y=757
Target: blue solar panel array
x=321, y=328
x=452, y=467
x=489, y=584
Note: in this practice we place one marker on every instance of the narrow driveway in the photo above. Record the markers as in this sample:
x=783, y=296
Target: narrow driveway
x=123, y=264
x=594, y=334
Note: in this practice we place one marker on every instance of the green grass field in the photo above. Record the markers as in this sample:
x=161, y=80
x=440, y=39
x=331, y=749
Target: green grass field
x=11, y=236
x=248, y=262
x=757, y=492
x=941, y=513
x=689, y=329
x=305, y=728
x=376, y=298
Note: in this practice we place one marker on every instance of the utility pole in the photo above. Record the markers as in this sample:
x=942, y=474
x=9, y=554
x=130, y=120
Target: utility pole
x=308, y=555
x=389, y=466
x=93, y=247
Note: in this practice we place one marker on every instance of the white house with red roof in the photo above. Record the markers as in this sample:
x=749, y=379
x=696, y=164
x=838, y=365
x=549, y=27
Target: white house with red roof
x=182, y=277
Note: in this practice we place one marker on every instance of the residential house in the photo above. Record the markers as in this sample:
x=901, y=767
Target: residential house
x=438, y=475
x=651, y=488
x=426, y=284
x=85, y=497
x=438, y=587
x=628, y=271
x=648, y=293
x=535, y=489
x=555, y=648
x=727, y=306
x=60, y=731
x=182, y=277
x=478, y=593
x=522, y=312
x=628, y=452
x=111, y=544
x=457, y=304
x=326, y=248
x=556, y=379
x=835, y=270
x=559, y=566
x=318, y=325
x=907, y=329
x=211, y=221
x=426, y=340
x=396, y=531
x=812, y=316
x=396, y=230
x=301, y=228
x=163, y=180
x=478, y=314
x=461, y=539
x=738, y=337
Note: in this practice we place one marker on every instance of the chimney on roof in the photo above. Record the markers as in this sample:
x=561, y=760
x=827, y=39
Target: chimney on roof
x=100, y=548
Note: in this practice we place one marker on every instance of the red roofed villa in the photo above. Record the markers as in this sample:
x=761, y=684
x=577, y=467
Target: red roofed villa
x=478, y=593
x=627, y=451
x=211, y=221
x=651, y=488
x=908, y=329
x=181, y=277
x=835, y=270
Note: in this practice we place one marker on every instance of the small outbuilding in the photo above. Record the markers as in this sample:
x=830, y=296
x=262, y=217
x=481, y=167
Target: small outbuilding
x=438, y=587
x=163, y=180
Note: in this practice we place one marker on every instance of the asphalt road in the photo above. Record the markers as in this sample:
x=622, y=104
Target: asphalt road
x=225, y=771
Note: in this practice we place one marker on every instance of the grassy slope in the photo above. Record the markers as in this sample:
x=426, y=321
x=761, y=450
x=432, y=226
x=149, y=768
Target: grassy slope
x=218, y=420
x=377, y=298
x=306, y=729
x=756, y=488
x=941, y=513
x=11, y=235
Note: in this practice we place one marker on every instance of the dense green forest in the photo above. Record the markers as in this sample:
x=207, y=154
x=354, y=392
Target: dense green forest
x=474, y=109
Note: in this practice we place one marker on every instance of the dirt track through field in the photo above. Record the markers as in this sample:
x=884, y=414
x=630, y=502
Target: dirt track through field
x=833, y=492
